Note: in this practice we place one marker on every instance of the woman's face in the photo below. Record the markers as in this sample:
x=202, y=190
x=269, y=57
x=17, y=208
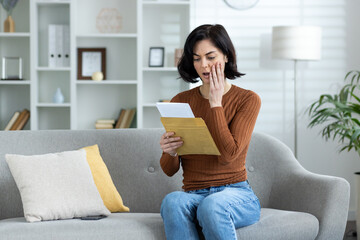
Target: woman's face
x=205, y=55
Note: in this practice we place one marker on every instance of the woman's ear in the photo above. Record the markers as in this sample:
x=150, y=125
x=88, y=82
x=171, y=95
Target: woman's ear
x=226, y=59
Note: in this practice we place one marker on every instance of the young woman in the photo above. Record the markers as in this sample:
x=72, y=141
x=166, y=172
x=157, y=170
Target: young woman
x=217, y=195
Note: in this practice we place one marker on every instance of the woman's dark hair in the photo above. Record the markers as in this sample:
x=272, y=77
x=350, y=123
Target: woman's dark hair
x=220, y=38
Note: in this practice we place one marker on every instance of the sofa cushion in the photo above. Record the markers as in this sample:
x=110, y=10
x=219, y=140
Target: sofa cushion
x=273, y=224
x=56, y=185
x=281, y=225
x=103, y=181
x=129, y=226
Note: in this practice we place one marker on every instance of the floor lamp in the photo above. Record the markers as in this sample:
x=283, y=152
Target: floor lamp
x=296, y=43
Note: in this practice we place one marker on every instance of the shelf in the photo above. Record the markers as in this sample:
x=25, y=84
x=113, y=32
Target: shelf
x=108, y=35
x=159, y=69
x=53, y=105
x=103, y=101
x=52, y=2
x=166, y=2
x=149, y=105
x=121, y=56
x=105, y=82
x=14, y=82
x=50, y=69
x=17, y=34
x=53, y=118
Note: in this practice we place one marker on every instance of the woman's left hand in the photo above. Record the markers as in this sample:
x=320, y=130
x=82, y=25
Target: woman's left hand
x=217, y=85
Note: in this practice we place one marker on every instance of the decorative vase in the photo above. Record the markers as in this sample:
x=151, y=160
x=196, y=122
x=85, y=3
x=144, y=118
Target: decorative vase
x=9, y=24
x=58, y=96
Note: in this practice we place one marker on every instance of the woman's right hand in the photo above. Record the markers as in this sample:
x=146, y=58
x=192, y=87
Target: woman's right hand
x=169, y=144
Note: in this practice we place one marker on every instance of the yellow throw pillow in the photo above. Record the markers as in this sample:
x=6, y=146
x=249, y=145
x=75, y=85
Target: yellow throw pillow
x=103, y=181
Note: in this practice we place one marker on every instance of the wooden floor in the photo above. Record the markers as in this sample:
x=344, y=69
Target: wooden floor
x=350, y=230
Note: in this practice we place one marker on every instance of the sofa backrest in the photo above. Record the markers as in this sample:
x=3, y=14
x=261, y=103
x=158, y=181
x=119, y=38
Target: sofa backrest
x=132, y=157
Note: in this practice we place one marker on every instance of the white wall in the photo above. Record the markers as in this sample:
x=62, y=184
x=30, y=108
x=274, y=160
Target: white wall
x=250, y=31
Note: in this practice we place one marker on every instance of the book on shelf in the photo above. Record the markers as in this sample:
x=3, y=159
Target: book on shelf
x=12, y=121
x=131, y=118
x=126, y=115
x=120, y=118
x=107, y=121
x=128, y=118
x=104, y=124
x=21, y=121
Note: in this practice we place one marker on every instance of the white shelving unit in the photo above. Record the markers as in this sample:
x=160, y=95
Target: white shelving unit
x=104, y=99
x=165, y=24
x=14, y=94
x=44, y=79
x=129, y=83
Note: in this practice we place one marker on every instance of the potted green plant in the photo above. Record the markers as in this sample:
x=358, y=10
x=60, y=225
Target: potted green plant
x=9, y=5
x=339, y=116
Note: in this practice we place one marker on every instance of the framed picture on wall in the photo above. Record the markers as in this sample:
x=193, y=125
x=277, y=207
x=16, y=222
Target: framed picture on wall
x=91, y=60
x=156, y=56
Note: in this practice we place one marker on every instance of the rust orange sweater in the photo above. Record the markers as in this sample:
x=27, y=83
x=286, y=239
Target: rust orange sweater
x=231, y=127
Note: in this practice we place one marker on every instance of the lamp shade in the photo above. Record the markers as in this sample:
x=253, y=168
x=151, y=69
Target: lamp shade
x=296, y=42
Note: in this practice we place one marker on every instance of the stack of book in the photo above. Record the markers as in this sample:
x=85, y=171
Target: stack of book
x=18, y=120
x=105, y=124
x=126, y=117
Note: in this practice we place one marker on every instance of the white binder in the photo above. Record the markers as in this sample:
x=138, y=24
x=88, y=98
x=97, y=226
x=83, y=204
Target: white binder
x=52, y=45
x=59, y=46
x=66, y=46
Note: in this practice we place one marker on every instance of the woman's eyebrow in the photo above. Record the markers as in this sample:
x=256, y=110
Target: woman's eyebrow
x=205, y=54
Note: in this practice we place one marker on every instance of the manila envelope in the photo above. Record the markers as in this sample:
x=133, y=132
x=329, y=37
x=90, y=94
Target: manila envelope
x=194, y=133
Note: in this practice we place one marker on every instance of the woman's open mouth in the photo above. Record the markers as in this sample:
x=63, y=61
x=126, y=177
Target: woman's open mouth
x=206, y=74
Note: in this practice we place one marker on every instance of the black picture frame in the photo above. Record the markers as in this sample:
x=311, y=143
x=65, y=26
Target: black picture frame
x=98, y=53
x=156, y=56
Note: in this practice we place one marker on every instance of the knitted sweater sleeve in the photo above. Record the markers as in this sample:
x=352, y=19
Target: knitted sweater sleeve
x=169, y=164
x=232, y=139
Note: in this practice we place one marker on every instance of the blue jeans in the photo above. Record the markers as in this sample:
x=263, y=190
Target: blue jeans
x=218, y=211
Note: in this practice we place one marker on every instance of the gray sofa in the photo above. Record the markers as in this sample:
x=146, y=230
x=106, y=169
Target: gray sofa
x=296, y=204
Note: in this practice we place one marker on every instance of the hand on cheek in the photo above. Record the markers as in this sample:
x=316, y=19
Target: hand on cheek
x=216, y=85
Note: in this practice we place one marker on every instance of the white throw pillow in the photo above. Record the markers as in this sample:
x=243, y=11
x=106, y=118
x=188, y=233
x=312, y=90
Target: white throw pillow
x=56, y=186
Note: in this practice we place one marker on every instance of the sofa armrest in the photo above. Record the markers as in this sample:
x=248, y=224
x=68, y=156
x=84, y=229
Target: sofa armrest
x=326, y=197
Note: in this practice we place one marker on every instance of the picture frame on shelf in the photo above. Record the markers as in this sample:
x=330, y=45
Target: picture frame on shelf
x=91, y=60
x=11, y=68
x=156, y=56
